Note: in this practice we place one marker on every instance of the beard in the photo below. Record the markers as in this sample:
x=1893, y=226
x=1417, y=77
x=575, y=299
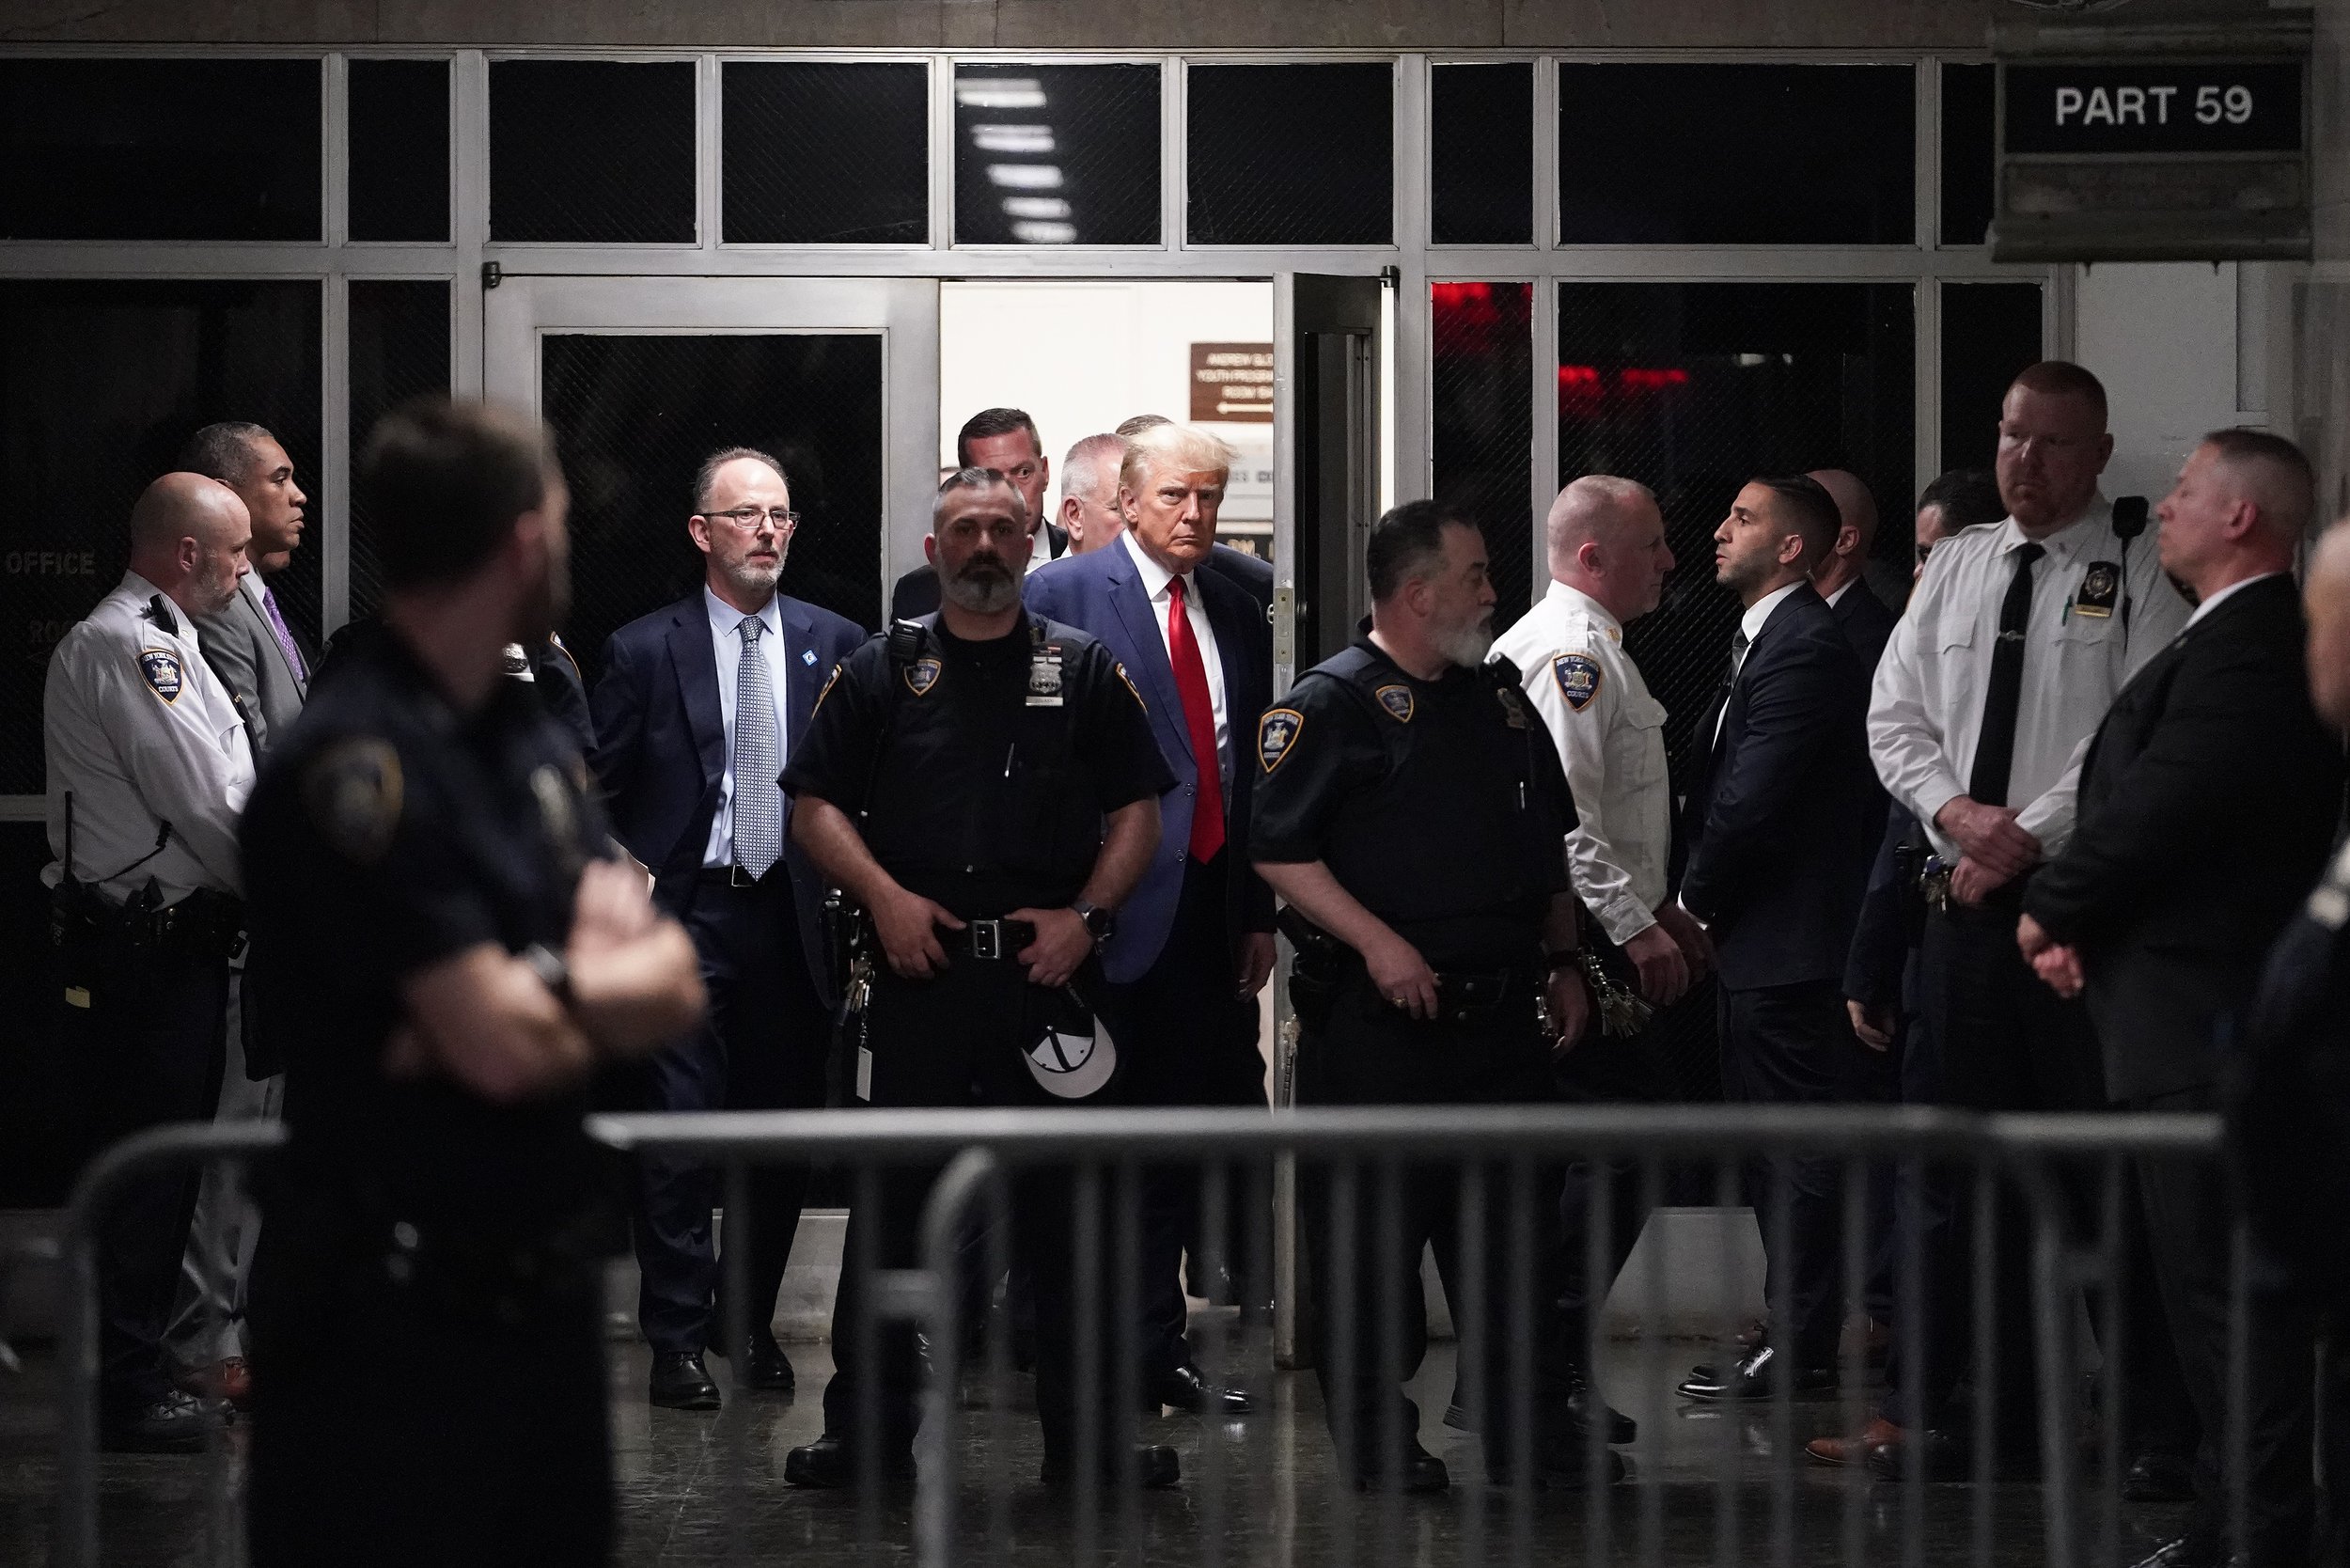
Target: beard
x=1468, y=645
x=983, y=587
x=752, y=578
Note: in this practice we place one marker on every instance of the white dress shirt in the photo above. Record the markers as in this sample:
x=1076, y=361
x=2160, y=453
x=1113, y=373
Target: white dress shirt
x=726, y=640
x=141, y=732
x=1612, y=748
x=2206, y=606
x=1926, y=710
x=1154, y=580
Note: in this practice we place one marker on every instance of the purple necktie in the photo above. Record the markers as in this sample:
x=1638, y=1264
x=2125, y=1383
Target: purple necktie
x=285, y=637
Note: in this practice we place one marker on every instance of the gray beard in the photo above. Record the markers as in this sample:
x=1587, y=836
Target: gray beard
x=1468, y=646
x=981, y=595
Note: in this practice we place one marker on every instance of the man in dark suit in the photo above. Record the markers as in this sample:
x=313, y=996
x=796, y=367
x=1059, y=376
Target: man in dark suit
x=696, y=714
x=2188, y=860
x=1776, y=855
x=1841, y=576
x=1194, y=943
x=1005, y=440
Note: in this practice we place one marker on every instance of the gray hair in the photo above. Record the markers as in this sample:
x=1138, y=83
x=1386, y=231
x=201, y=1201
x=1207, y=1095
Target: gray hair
x=977, y=479
x=1080, y=471
x=707, y=475
x=1192, y=450
x=223, y=451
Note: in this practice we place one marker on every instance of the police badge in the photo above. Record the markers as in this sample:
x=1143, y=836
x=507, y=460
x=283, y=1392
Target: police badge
x=1044, y=676
x=2100, y=585
x=163, y=673
x=1579, y=676
x=1397, y=700
x=1275, y=733
x=922, y=676
x=354, y=792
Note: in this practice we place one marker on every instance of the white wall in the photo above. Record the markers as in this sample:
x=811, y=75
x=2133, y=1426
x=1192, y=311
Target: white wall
x=2180, y=355
x=1080, y=357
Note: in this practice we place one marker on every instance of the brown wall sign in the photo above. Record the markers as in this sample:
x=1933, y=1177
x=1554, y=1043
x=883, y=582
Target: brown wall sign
x=1231, y=382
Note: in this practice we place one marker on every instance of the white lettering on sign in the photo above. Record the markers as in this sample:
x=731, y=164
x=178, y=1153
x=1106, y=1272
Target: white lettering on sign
x=2162, y=102
x=2129, y=105
x=50, y=563
x=2068, y=104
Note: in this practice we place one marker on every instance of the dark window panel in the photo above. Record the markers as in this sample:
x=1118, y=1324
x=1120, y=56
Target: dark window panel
x=159, y=149
x=1969, y=155
x=399, y=140
x=826, y=154
x=398, y=350
x=1481, y=165
x=634, y=415
x=1056, y=154
x=1737, y=154
x=80, y=438
x=591, y=152
x=1989, y=331
x=1291, y=154
x=1483, y=354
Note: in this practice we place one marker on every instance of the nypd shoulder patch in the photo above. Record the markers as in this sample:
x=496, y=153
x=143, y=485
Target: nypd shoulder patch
x=354, y=791
x=161, y=672
x=1397, y=702
x=1121, y=667
x=922, y=676
x=1276, y=732
x=1579, y=678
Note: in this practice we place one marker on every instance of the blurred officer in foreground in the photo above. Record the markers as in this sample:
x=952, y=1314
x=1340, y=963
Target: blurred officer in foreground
x=2289, y=1089
x=699, y=705
x=1411, y=812
x=984, y=785
x=261, y=659
x=149, y=765
x=1777, y=832
x=2169, y=963
x=2007, y=658
x=453, y=958
x=1608, y=559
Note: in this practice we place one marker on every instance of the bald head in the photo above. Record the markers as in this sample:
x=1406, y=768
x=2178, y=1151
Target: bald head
x=2327, y=596
x=188, y=537
x=1856, y=510
x=1607, y=540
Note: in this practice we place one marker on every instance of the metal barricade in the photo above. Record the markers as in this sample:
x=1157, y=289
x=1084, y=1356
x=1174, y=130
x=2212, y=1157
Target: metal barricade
x=1701, y=1476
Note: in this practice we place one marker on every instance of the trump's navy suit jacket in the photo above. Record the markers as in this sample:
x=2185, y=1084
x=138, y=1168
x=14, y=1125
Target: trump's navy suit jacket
x=1102, y=593
x=661, y=745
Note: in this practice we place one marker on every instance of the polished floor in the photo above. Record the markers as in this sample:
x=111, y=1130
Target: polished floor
x=1707, y=1487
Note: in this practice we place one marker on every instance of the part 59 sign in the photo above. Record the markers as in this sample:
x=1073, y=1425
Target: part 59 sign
x=2251, y=106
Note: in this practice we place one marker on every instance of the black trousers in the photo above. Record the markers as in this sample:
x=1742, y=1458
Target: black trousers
x=1364, y=1250
x=2001, y=1040
x=762, y=1047
x=957, y=1039
x=1601, y=1071
x=2190, y=1223
x=148, y=1049
x=1789, y=1045
x=1185, y=1039
x=389, y=1429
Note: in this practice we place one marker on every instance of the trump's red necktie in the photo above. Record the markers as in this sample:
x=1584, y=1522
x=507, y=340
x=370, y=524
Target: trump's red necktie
x=1191, y=684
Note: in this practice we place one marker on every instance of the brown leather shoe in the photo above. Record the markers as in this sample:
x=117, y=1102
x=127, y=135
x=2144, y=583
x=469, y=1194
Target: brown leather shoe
x=1878, y=1433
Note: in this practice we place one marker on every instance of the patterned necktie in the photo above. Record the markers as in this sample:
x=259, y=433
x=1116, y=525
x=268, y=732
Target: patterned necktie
x=284, y=635
x=1995, y=747
x=1191, y=684
x=757, y=759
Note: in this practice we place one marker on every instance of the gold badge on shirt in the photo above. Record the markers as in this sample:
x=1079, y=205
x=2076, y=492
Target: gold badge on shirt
x=2100, y=590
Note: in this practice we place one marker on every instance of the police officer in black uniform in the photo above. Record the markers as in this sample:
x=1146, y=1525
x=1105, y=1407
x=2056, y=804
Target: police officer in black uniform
x=1412, y=813
x=450, y=955
x=983, y=784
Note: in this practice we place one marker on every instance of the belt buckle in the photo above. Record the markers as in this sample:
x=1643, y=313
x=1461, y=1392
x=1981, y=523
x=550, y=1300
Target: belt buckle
x=987, y=939
x=739, y=875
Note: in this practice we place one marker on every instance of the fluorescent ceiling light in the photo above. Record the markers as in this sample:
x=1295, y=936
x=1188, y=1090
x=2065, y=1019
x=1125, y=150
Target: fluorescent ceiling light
x=1001, y=92
x=1044, y=233
x=1024, y=176
x=1012, y=138
x=1035, y=207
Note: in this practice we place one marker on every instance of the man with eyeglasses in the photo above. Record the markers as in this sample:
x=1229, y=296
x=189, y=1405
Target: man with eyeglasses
x=696, y=714
x=1005, y=440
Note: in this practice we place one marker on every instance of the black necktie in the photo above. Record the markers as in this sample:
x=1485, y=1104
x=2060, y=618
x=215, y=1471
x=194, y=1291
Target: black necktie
x=1711, y=734
x=1995, y=747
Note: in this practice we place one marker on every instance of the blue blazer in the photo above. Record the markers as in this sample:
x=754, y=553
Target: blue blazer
x=1779, y=830
x=661, y=746
x=1101, y=593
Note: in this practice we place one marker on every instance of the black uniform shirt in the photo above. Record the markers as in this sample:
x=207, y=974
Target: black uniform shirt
x=1439, y=805
x=982, y=770
x=387, y=833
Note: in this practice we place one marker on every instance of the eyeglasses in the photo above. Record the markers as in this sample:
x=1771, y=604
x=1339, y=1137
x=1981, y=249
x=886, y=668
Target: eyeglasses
x=746, y=518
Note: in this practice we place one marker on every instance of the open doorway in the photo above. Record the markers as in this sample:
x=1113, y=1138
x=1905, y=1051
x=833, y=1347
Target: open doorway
x=1081, y=357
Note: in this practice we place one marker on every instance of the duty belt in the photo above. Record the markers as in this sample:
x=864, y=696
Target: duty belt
x=987, y=939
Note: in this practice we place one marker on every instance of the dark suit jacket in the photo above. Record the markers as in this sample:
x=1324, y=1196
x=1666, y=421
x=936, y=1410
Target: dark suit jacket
x=1868, y=624
x=916, y=592
x=2208, y=801
x=1880, y=938
x=1775, y=823
x=661, y=745
x=1255, y=577
x=1101, y=593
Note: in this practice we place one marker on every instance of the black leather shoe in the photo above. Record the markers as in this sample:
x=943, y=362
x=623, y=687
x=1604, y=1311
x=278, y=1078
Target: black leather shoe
x=1754, y=1378
x=1937, y=1454
x=1421, y=1473
x=1581, y=1400
x=2159, y=1478
x=767, y=1368
x=1558, y=1463
x=1187, y=1388
x=1156, y=1469
x=176, y=1423
x=828, y=1464
x=680, y=1382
